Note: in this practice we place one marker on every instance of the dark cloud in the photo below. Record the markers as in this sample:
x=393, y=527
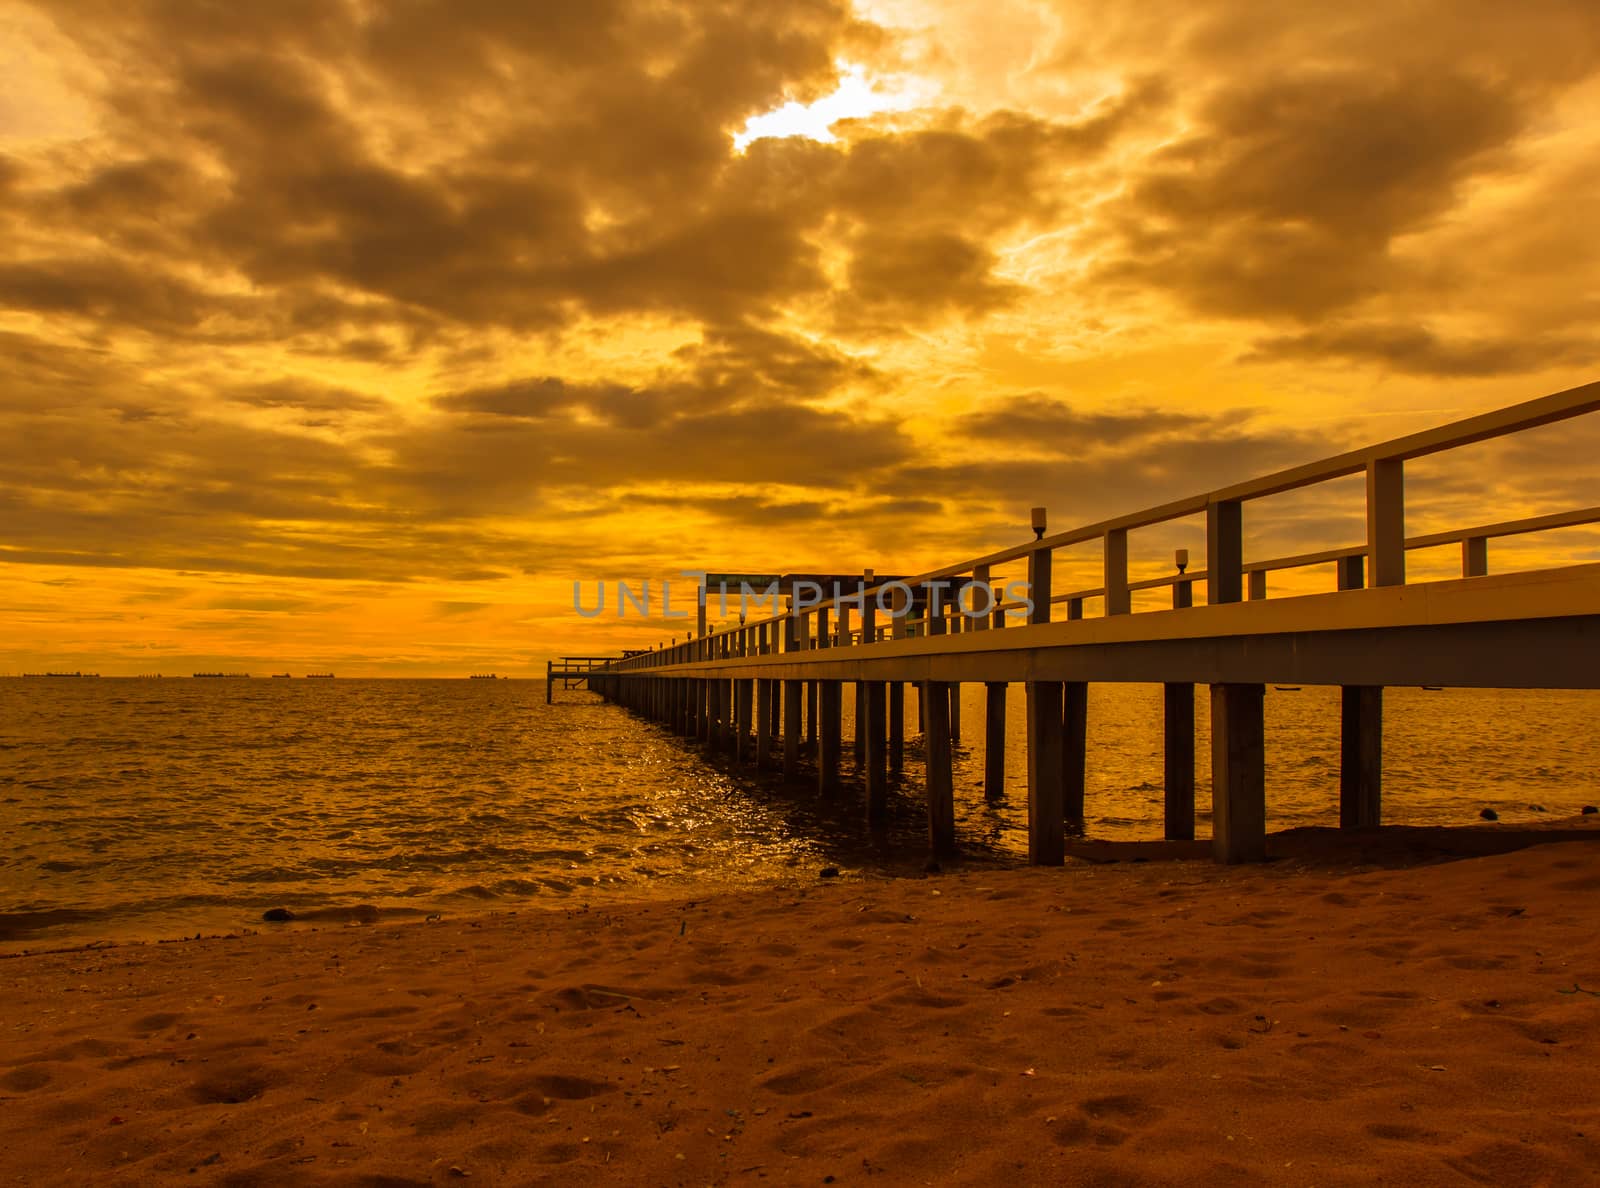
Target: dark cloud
x=1288, y=197
x=530, y=400
x=126, y=472
x=910, y=279
x=753, y=510
x=976, y=175
x=737, y=362
x=588, y=172
x=107, y=290
x=567, y=120
x=474, y=463
x=281, y=606
x=451, y=609
x=730, y=367
x=1086, y=467
x=302, y=395
x=1415, y=350
x=757, y=511
x=1034, y=419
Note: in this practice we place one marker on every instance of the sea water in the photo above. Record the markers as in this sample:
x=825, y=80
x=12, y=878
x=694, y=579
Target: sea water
x=152, y=808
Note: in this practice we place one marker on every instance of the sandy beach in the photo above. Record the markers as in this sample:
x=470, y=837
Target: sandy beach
x=1357, y=1011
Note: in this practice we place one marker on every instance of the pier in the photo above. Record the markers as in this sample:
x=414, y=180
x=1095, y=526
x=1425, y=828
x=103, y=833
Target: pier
x=760, y=691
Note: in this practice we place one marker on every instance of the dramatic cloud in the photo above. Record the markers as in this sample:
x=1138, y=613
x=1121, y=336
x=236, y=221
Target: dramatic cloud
x=379, y=322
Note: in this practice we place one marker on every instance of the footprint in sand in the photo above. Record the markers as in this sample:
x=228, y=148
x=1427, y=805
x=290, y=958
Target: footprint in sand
x=151, y=1024
x=808, y=1078
x=1401, y=1133
x=1106, y=1121
x=231, y=1086
x=26, y=1079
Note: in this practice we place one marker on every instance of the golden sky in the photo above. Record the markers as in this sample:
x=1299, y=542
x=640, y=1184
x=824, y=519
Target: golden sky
x=337, y=334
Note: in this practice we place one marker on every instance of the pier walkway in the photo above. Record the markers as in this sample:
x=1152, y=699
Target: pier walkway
x=1000, y=618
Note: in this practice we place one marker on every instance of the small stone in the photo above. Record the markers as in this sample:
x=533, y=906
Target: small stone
x=1536, y=808
x=1489, y=815
x=277, y=915
x=1589, y=810
x=828, y=872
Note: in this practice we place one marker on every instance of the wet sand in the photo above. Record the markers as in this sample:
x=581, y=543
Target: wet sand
x=1357, y=1011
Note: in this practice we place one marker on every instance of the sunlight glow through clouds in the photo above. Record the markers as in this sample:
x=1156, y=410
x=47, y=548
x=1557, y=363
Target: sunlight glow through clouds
x=855, y=98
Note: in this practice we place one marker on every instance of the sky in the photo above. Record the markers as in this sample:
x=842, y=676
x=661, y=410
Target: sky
x=348, y=336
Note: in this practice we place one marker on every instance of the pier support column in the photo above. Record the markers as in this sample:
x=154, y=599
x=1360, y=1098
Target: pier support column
x=830, y=709
x=897, y=724
x=1047, y=843
x=1046, y=818
x=1074, y=750
x=1238, y=774
x=721, y=731
x=1361, y=756
x=1360, y=735
x=861, y=721
x=745, y=691
x=875, y=705
x=793, y=694
x=955, y=712
x=1178, y=736
x=763, y=720
x=994, y=741
x=941, y=783
x=1177, y=704
x=811, y=715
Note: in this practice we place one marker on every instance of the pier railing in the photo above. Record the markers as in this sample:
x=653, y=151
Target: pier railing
x=859, y=615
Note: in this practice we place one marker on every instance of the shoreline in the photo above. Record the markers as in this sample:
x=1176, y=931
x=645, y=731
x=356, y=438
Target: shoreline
x=1308, y=1020
x=1388, y=845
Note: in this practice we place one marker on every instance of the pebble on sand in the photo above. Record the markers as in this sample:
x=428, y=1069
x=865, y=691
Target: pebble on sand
x=1589, y=810
x=1489, y=815
x=277, y=915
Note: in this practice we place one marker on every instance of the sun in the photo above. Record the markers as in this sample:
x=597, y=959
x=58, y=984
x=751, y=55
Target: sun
x=856, y=96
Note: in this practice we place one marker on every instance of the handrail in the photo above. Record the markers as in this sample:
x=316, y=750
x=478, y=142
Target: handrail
x=1384, y=549
x=1571, y=519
